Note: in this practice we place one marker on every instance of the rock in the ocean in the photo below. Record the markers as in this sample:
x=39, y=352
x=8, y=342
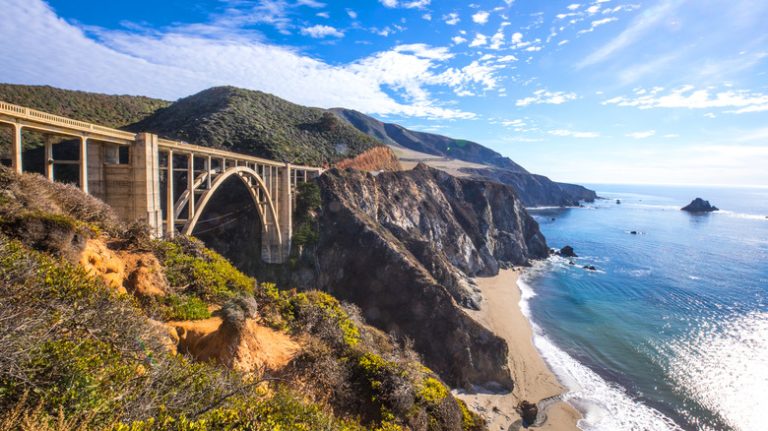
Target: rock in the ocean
x=634, y=232
x=618, y=201
x=528, y=412
x=590, y=268
x=567, y=251
x=699, y=205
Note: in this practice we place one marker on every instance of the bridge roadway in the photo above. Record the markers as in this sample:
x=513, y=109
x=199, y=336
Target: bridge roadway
x=167, y=184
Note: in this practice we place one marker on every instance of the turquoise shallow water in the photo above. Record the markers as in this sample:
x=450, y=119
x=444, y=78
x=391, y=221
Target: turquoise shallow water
x=671, y=331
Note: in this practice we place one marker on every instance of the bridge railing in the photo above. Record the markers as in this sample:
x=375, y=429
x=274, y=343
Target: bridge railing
x=56, y=120
x=179, y=147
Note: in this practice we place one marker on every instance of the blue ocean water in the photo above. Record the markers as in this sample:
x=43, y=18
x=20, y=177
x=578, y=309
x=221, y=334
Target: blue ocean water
x=671, y=331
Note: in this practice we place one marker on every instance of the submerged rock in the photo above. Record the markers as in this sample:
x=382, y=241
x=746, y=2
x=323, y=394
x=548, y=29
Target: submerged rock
x=590, y=268
x=699, y=205
x=567, y=251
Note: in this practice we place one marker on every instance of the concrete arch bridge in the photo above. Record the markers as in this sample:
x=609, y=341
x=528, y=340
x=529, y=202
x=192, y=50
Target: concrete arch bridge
x=168, y=184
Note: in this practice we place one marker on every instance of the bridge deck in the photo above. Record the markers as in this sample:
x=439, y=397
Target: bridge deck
x=31, y=118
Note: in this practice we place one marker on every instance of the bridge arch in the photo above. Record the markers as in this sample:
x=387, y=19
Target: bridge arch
x=258, y=190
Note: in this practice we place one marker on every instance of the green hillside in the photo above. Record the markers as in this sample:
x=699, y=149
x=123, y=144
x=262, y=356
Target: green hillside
x=103, y=109
x=258, y=123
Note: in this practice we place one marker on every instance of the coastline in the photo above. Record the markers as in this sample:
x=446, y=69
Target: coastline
x=534, y=381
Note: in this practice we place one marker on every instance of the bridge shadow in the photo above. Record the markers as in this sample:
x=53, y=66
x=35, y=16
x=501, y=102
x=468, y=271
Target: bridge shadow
x=231, y=226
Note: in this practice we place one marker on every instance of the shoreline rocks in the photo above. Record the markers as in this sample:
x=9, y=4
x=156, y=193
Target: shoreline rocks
x=699, y=205
x=567, y=251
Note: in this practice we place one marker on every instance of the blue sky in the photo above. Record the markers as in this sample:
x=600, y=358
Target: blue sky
x=615, y=91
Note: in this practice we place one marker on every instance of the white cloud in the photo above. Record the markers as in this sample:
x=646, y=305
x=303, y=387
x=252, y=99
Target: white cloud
x=497, y=40
x=573, y=6
x=480, y=17
x=641, y=135
x=546, y=97
x=458, y=40
x=736, y=101
x=636, y=30
x=178, y=62
x=479, y=40
x=452, y=18
x=321, y=31
x=415, y=4
x=427, y=17
x=598, y=23
x=574, y=134
x=323, y=14
x=352, y=14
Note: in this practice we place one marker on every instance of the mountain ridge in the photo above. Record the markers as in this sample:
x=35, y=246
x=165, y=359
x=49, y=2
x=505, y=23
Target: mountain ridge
x=533, y=189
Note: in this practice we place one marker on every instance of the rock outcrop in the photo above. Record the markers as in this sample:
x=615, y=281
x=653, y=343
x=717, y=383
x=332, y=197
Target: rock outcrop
x=536, y=190
x=376, y=159
x=235, y=340
x=401, y=246
x=699, y=205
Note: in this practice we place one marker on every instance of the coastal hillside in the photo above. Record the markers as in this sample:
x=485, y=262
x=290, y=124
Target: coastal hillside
x=241, y=120
x=103, y=109
x=103, y=328
x=258, y=123
x=402, y=246
x=429, y=143
x=483, y=163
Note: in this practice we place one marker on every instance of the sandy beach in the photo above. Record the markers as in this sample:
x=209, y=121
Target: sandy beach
x=501, y=313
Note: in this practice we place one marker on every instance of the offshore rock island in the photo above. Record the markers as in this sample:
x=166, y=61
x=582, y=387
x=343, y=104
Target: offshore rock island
x=383, y=290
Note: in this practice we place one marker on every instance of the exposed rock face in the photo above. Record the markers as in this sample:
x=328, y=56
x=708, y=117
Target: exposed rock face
x=401, y=245
x=235, y=339
x=376, y=159
x=536, y=190
x=699, y=205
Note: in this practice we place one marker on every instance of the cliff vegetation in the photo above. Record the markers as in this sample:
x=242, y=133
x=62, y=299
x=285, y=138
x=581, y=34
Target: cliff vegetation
x=103, y=328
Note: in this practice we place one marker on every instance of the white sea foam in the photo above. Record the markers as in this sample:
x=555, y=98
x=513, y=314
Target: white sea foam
x=604, y=406
x=763, y=217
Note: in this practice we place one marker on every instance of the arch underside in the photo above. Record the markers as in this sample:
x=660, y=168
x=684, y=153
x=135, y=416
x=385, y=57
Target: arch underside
x=257, y=189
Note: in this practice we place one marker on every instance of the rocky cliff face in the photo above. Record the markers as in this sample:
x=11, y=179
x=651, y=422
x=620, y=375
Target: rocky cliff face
x=536, y=190
x=401, y=246
x=376, y=159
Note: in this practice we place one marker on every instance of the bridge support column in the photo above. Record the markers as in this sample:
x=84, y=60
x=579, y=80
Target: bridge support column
x=48, y=159
x=170, y=220
x=285, y=210
x=145, y=192
x=84, y=163
x=16, y=148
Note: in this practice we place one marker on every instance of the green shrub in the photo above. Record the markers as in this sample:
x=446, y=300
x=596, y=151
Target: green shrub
x=184, y=307
x=432, y=391
x=189, y=266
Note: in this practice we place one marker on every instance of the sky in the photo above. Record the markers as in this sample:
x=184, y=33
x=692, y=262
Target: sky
x=597, y=91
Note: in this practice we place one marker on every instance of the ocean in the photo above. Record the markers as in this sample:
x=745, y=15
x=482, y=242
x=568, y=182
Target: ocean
x=671, y=330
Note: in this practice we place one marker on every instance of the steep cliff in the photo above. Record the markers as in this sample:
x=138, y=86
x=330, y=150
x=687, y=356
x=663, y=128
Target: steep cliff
x=401, y=245
x=103, y=328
